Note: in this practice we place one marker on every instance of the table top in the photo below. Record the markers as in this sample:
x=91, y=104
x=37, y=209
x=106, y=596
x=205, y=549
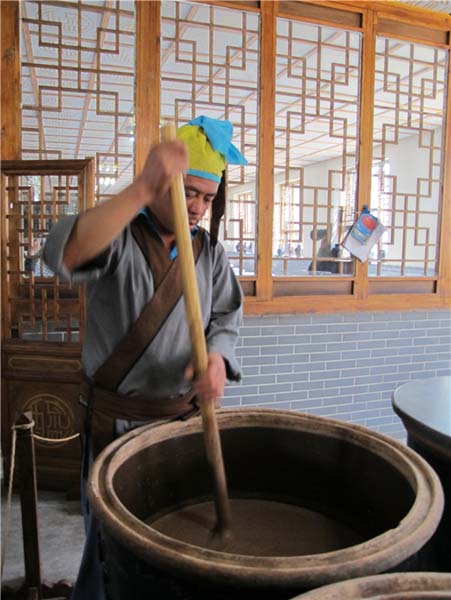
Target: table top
x=427, y=401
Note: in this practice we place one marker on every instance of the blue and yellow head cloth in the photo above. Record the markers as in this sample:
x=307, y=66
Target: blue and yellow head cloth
x=210, y=147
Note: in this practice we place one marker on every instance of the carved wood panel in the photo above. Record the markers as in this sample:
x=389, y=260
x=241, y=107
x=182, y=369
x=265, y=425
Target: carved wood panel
x=43, y=316
x=44, y=377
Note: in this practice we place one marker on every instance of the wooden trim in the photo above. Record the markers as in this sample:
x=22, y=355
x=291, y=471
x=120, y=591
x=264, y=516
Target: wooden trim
x=6, y=311
x=407, y=31
x=11, y=248
x=406, y=38
x=252, y=5
x=322, y=286
x=444, y=274
x=385, y=8
x=10, y=81
x=248, y=287
x=398, y=11
x=266, y=149
x=6, y=416
x=47, y=167
x=147, y=101
x=36, y=357
x=366, y=138
x=88, y=202
x=99, y=8
x=332, y=304
x=320, y=13
x=312, y=287
x=89, y=197
x=11, y=126
x=397, y=286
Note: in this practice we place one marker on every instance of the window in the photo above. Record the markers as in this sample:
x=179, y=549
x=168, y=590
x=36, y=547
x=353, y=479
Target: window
x=336, y=108
x=408, y=150
x=209, y=65
x=315, y=154
x=78, y=84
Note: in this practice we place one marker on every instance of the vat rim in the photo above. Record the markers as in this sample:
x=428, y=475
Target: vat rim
x=373, y=556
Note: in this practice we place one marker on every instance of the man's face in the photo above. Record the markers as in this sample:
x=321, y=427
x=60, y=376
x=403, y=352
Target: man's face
x=199, y=195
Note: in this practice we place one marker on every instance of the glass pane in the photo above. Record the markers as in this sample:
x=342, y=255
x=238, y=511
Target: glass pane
x=209, y=66
x=317, y=112
x=408, y=156
x=78, y=65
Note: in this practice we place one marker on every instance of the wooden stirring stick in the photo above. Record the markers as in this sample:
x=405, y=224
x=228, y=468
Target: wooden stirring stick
x=199, y=348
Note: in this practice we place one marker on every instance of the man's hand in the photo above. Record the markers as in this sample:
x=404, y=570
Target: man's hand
x=209, y=386
x=96, y=228
x=163, y=163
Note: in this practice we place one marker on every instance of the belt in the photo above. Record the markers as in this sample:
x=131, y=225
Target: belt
x=135, y=408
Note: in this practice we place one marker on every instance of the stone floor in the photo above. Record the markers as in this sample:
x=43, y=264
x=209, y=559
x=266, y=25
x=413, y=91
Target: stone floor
x=61, y=539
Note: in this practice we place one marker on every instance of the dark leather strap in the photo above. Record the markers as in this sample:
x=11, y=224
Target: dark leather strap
x=134, y=408
x=168, y=284
x=153, y=249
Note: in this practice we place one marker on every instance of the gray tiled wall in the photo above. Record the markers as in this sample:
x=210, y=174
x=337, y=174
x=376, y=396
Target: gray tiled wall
x=343, y=366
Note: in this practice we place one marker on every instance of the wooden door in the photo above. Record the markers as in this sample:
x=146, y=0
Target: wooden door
x=42, y=315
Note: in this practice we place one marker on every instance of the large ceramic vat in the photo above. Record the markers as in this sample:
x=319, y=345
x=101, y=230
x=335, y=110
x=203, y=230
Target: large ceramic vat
x=386, y=495
x=395, y=586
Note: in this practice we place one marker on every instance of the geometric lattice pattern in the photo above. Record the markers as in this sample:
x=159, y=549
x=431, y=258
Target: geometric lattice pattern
x=209, y=65
x=78, y=65
x=408, y=155
x=316, y=113
x=40, y=306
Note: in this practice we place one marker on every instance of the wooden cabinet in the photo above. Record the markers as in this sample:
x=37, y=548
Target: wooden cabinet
x=44, y=378
x=42, y=315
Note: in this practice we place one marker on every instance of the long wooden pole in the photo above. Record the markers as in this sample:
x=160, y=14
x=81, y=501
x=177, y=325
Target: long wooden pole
x=199, y=348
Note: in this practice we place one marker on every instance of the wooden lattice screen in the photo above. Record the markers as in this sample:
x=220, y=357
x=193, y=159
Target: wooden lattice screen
x=42, y=315
x=317, y=111
x=209, y=65
x=37, y=305
x=408, y=155
x=78, y=86
x=321, y=95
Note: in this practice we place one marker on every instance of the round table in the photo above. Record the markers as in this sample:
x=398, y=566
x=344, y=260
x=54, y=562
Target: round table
x=424, y=406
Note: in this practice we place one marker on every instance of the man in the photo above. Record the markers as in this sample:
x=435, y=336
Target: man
x=324, y=251
x=136, y=349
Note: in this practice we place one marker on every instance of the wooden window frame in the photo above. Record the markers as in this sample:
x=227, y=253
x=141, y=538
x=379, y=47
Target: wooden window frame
x=372, y=17
x=18, y=298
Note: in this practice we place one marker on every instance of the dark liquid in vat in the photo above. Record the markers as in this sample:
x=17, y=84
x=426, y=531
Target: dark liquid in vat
x=259, y=528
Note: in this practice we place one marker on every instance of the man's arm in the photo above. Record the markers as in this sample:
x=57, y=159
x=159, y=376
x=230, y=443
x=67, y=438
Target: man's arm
x=97, y=228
